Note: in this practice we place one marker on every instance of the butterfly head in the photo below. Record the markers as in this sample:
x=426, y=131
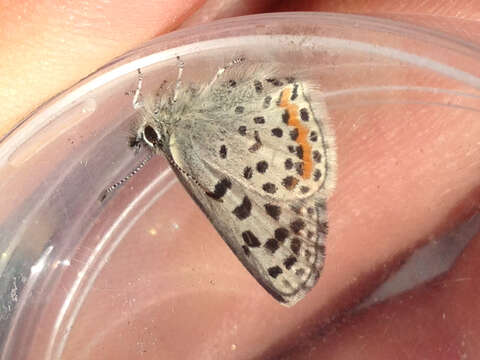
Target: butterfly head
x=148, y=136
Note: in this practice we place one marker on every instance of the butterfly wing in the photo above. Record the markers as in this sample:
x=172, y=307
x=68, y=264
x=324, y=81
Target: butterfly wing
x=280, y=243
x=261, y=167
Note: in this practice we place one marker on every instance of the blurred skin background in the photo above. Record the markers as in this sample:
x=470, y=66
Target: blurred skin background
x=47, y=46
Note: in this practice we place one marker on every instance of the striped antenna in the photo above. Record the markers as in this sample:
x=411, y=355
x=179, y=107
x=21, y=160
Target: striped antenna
x=119, y=183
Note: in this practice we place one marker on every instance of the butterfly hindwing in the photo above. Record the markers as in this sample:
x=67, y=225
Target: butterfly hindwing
x=281, y=244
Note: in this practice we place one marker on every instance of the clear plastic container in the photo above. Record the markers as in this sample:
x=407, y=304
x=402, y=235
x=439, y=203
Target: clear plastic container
x=145, y=275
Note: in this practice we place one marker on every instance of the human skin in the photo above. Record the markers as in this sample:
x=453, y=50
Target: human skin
x=46, y=46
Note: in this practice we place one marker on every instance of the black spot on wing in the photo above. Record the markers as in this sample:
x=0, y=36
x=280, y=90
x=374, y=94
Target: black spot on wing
x=294, y=134
x=274, y=82
x=294, y=92
x=258, y=143
x=223, y=151
x=295, y=245
x=299, y=168
x=258, y=86
x=277, y=132
x=272, y=245
x=297, y=225
x=274, y=271
x=259, y=120
x=247, y=172
x=300, y=272
x=262, y=166
x=289, y=262
x=273, y=210
x=304, y=114
x=288, y=164
x=279, y=100
x=299, y=151
x=289, y=182
x=269, y=188
x=250, y=239
x=281, y=234
x=242, y=130
x=304, y=189
x=243, y=210
x=239, y=110
x=220, y=189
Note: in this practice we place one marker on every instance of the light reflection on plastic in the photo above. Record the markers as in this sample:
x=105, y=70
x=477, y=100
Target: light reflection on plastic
x=53, y=131
x=41, y=262
x=64, y=262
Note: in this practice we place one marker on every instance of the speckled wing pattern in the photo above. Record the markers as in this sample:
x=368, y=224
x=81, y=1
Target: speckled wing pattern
x=261, y=162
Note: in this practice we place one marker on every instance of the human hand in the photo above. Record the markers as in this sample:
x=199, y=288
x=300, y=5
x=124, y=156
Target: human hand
x=49, y=46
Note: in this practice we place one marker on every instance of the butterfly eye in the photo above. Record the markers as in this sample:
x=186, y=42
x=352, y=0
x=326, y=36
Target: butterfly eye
x=150, y=136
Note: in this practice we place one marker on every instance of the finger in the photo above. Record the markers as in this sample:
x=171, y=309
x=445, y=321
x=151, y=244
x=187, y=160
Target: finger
x=46, y=47
x=58, y=43
x=436, y=320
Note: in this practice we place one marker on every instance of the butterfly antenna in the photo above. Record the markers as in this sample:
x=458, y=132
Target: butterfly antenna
x=119, y=183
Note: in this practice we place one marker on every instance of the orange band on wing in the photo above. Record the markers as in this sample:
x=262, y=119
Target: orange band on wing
x=302, y=139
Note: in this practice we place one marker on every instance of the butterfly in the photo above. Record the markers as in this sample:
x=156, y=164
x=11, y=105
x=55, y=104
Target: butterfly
x=257, y=155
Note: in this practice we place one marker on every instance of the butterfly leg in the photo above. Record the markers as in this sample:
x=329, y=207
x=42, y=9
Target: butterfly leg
x=180, y=65
x=221, y=70
x=137, y=101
